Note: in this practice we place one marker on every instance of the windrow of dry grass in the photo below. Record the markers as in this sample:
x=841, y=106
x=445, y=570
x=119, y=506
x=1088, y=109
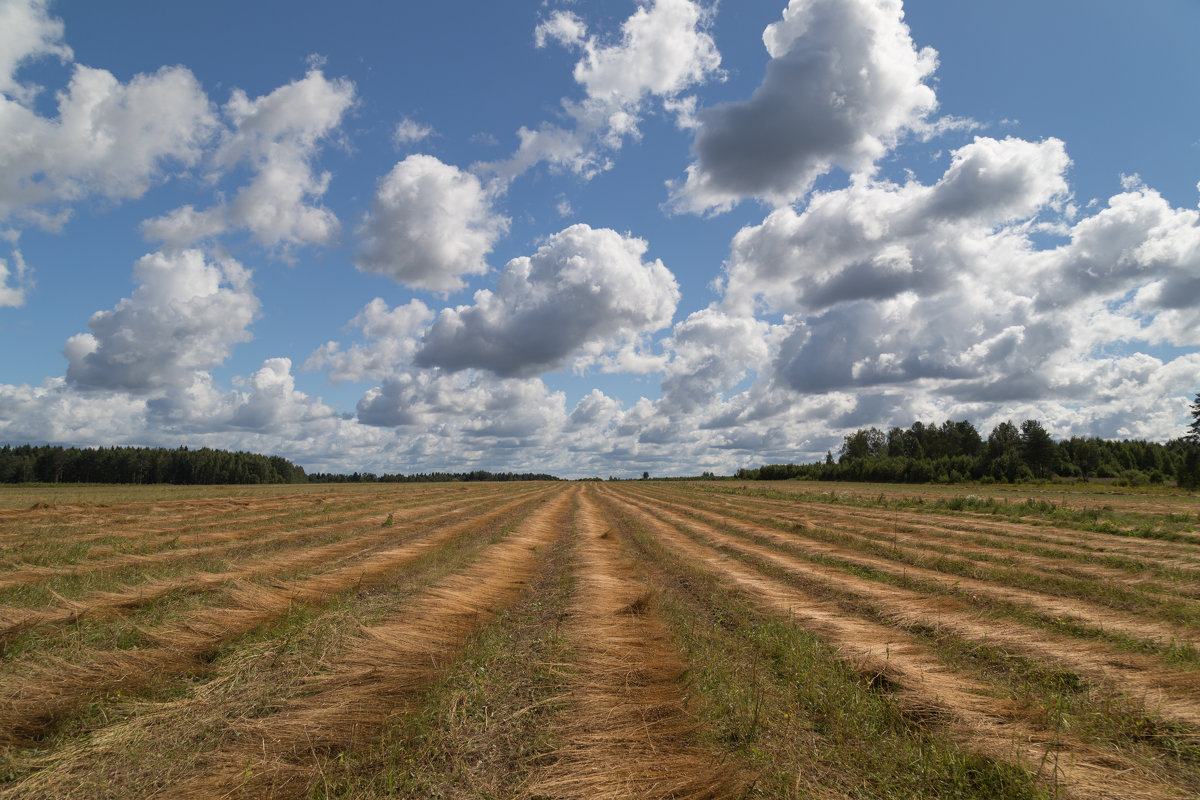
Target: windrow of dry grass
x=628, y=732
x=928, y=686
x=350, y=539
x=618, y=640
x=881, y=563
x=37, y=691
x=280, y=755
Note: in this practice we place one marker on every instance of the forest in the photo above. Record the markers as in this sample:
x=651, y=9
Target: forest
x=954, y=452
x=54, y=464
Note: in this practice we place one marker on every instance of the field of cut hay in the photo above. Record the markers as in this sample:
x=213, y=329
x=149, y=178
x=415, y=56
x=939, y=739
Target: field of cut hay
x=598, y=640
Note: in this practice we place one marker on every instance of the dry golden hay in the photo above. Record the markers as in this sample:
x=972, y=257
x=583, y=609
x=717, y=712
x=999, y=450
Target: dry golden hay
x=977, y=719
x=281, y=533
x=1171, y=692
x=630, y=734
x=276, y=755
x=30, y=702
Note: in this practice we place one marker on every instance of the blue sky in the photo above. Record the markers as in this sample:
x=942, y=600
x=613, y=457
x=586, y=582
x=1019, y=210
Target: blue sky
x=593, y=238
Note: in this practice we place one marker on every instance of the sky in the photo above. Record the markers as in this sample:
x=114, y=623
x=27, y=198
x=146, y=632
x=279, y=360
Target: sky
x=594, y=238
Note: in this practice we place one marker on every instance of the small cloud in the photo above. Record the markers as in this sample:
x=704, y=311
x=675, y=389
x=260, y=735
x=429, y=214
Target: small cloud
x=486, y=139
x=410, y=132
x=564, y=207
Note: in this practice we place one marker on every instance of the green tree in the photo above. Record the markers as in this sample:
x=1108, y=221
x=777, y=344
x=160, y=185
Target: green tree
x=1193, y=434
x=1037, y=448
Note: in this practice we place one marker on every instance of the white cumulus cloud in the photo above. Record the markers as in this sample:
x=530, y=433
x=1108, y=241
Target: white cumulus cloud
x=844, y=83
x=185, y=317
x=664, y=50
x=279, y=136
x=430, y=225
x=585, y=292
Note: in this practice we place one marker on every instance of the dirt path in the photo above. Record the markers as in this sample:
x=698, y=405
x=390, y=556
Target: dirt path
x=629, y=733
x=977, y=719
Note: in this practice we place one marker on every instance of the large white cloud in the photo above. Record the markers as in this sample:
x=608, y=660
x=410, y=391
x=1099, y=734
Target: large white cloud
x=711, y=352
x=109, y=139
x=185, y=317
x=278, y=136
x=878, y=239
x=942, y=294
x=844, y=82
x=585, y=292
x=663, y=51
x=430, y=224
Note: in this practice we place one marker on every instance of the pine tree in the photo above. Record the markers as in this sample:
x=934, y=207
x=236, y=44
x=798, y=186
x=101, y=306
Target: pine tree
x=1193, y=435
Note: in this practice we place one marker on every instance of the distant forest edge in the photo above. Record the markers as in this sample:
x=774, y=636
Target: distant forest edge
x=53, y=464
x=955, y=452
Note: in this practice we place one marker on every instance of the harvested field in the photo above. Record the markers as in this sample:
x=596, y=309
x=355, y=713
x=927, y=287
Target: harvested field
x=598, y=640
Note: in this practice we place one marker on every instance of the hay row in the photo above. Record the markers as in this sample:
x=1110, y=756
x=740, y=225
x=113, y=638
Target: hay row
x=990, y=551
x=1154, y=550
x=224, y=544
x=984, y=591
x=973, y=717
x=1171, y=693
x=16, y=620
x=628, y=733
x=31, y=702
x=279, y=755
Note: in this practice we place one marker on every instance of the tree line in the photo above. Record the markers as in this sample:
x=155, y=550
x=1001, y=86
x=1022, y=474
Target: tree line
x=429, y=477
x=53, y=464
x=955, y=451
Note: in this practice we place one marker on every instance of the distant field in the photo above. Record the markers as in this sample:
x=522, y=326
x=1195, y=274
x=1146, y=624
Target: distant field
x=599, y=640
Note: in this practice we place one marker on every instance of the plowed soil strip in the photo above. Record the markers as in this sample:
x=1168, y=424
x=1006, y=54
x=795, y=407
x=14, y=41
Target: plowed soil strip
x=629, y=734
x=278, y=756
x=1171, y=693
x=990, y=551
x=31, y=702
x=1098, y=617
x=16, y=620
x=979, y=720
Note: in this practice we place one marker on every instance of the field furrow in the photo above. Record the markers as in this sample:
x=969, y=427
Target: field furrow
x=278, y=533
x=1166, y=552
x=649, y=639
x=1168, y=692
